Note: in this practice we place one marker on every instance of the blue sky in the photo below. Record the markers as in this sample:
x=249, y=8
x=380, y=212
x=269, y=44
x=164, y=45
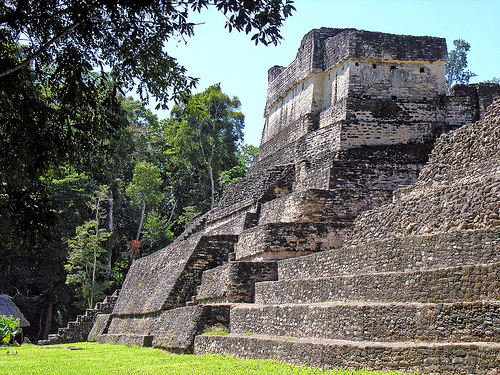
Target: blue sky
x=215, y=56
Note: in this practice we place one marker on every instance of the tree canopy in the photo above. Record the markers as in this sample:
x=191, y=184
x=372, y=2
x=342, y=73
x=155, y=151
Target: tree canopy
x=123, y=38
x=62, y=64
x=205, y=131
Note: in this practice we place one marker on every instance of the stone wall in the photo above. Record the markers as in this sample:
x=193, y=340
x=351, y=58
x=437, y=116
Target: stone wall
x=309, y=60
x=458, y=189
x=451, y=322
x=238, y=281
x=323, y=49
x=450, y=284
x=460, y=358
x=421, y=252
x=418, y=81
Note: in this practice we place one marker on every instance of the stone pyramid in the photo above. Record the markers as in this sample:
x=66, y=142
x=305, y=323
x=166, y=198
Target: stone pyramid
x=350, y=120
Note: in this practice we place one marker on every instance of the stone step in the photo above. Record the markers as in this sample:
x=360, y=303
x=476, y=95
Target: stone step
x=398, y=254
x=454, y=284
x=91, y=313
x=273, y=241
x=443, y=358
x=128, y=340
x=234, y=281
x=389, y=322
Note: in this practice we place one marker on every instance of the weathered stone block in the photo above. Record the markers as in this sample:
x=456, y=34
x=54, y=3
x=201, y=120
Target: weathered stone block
x=234, y=282
x=274, y=241
x=100, y=327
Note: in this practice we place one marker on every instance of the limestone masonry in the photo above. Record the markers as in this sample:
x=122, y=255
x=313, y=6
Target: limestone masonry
x=315, y=257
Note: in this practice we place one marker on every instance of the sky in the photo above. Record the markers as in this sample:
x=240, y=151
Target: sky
x=233, y=60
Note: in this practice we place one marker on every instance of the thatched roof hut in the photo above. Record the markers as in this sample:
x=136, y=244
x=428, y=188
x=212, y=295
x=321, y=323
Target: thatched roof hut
x=9, y=308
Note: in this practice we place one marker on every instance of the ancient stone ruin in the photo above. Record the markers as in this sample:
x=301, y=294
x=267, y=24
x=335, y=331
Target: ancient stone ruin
x=313, y=258
x=81, y=329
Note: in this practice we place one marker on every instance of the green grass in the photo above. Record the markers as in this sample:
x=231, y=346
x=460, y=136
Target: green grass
x=216, y=330
x=93, y=358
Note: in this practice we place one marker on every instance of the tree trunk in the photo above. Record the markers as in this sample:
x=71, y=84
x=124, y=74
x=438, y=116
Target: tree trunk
x=48, y=319
x=212, y=182
x=142, y=219
x=94, y=265
x=110, y=241
x=91, y=302
x=212, y=187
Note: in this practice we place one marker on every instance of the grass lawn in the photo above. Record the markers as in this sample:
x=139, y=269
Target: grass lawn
x=93, y=358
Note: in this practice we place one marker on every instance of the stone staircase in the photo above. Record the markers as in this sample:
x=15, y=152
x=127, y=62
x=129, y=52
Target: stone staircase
x=167, y=318
x=78, y=330
x=419, y=303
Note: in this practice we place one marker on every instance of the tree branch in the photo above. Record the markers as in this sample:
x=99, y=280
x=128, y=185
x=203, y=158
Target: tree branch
x=41, y=50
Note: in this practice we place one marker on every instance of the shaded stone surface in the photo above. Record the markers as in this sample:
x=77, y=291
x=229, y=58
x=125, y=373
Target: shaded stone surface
x=234, y=281
x=100, y=327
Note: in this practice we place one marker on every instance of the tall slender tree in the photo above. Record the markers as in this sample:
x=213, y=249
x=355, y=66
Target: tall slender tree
x=145, y=189
x=85, y=261
x=97, y=206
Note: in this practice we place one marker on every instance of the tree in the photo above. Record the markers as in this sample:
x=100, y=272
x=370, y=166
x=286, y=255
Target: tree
x=145, y=188
x=96, y=205
x=207, y=130
x=493, y=80
x=85, y=261
x=457, y=63
x=157, y=233
x=127, y=36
